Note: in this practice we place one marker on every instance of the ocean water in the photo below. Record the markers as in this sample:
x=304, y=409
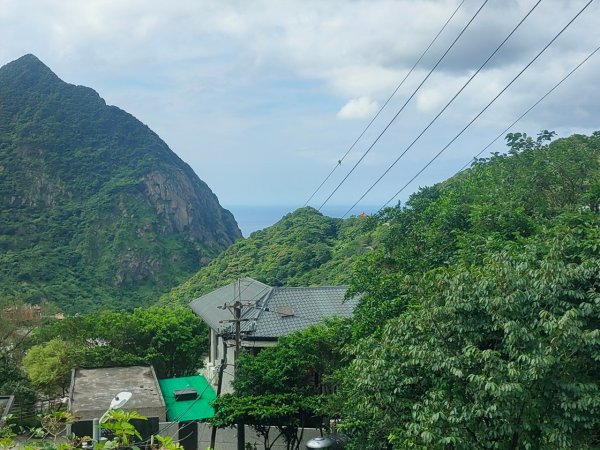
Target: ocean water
x=252, y=217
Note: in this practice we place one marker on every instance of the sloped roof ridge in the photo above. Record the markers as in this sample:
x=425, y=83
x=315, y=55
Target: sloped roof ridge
x=252, y=280
x=265, y=304
x=336, y=286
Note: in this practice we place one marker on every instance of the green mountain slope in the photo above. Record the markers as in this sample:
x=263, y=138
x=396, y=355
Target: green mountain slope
x=497, y=199
x=304, y=248
x=95, y=209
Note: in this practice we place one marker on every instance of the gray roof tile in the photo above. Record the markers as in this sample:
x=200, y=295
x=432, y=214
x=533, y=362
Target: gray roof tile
x=278, y=311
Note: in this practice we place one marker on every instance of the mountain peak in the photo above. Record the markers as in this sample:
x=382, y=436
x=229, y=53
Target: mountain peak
x=107, y=214
x=27, y=68
x=29, y=58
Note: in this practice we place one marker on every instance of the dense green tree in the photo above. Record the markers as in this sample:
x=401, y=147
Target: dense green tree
x=173, y=340
x=49, y=365
x=501, y=355
x=288, y=413
x=498, y=199
x=176, y=339
x=14, y=335
x=14, y=340
x=303, y=362
x=286, y=386
x=13, y=381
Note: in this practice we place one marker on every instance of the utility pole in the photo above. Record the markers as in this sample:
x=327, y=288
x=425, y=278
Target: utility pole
x=236, y=309
x=213, y=431
x=237, y=314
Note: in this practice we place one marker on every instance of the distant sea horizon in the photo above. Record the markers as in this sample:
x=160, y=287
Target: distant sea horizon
x=252, y=218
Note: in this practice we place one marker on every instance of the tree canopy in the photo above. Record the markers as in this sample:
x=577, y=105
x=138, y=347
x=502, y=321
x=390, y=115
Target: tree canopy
x=504, y=354
x=173, y=339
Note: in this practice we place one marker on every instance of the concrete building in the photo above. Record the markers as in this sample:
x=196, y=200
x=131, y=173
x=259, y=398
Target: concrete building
x=273, y=312
x=92, y=390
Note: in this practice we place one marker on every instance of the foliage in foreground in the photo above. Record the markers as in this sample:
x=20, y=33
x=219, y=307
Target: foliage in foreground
x=51, y=435
x=505, y=354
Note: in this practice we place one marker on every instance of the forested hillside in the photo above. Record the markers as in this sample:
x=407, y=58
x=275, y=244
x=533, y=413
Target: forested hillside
x=479, y=321
x=304, y=248
x=479, y=324
x=95, y=210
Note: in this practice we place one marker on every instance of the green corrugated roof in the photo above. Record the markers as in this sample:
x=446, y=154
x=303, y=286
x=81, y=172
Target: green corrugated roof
x=188, y=409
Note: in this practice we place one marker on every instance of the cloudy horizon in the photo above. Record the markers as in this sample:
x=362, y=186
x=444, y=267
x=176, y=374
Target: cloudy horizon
x=262, y=98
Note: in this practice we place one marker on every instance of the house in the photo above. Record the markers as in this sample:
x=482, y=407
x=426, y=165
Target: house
x=92, y=391
x=267, y=314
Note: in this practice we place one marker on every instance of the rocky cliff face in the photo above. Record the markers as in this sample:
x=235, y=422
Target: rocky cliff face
x=185, y=206
x=95, y=209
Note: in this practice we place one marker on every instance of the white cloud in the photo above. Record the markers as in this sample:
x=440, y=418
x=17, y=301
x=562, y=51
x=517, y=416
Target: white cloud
x=358, y=108
x=229, y=82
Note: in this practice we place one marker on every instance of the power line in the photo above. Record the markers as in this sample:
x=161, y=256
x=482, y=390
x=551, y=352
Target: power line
x=487, y=106
x=533, y=106
x=404, y=105
x=252, y=300
x=464, y=86
x=385, y=104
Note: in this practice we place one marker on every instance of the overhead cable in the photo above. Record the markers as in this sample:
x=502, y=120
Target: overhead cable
x=464, y=86
x=488, y=105
x=405, y=103
x=542, y=98
x=341, y=160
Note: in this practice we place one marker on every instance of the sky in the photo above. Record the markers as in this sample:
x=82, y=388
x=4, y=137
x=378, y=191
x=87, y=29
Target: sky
x=263, y=98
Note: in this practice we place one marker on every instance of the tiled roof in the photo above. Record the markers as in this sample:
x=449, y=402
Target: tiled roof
x=277, y=311
x=207, y=306
x=290, y=309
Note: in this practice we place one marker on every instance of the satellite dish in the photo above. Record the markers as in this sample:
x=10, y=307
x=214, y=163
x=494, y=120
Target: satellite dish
x=120, y=399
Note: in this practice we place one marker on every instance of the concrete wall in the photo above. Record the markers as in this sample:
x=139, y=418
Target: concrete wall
x=216, y=354
x=92, y=391
x=169, y=429
x=227, y=438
